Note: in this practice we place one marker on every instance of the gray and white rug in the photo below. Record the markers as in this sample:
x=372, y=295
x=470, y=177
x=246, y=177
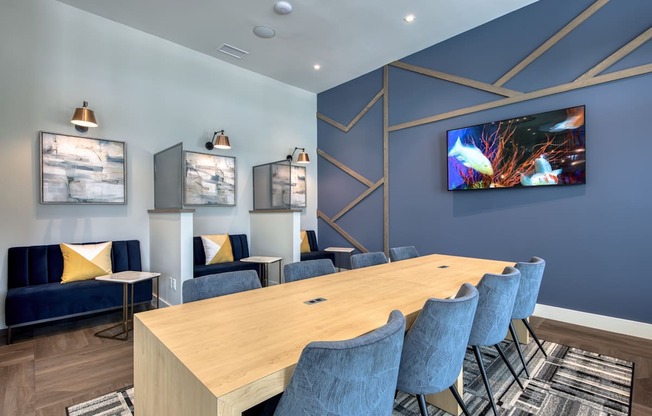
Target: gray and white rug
x=571, y=382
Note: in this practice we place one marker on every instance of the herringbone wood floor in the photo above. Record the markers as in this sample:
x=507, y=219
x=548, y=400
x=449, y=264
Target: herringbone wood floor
x=53, y=366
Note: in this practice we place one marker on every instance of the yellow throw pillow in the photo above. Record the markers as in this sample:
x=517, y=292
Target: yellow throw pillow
x=217, y=248
x=305, y=244
x=85, y=261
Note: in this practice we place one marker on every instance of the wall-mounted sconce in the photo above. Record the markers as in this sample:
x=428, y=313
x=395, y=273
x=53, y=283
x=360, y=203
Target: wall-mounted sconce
x=83, y=118
x=302, y=158
x=219, y=142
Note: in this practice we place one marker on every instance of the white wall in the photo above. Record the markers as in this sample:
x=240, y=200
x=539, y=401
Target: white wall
x=145, y=91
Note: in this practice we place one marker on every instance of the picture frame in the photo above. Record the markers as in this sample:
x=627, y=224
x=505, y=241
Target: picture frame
x=82, y=170
x=208, y=180
x=288, y=186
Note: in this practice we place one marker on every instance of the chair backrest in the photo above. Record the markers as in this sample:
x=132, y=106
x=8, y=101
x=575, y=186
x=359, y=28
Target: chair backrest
x=355, y=377
x=367, y=259
x=495, y=306
x=307, y=269
x=219, y=284
x=434, y=347
x=528, y=289
x=403, y=253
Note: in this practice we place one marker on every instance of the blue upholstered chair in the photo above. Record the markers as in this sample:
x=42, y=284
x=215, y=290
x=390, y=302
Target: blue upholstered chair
x=403, y=253
x=434, y=347
x=492, y=319
x=356, y=377
x=307, y=269
x=367, y=259
x=526, y=300
x=219, y=284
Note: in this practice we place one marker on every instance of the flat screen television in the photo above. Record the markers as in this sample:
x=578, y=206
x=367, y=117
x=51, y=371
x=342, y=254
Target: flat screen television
x=545, y=149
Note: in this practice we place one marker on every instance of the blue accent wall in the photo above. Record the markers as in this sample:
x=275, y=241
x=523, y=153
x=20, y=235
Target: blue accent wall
x=596, y=237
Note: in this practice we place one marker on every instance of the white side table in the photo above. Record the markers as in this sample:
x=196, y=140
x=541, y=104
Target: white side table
x=263, y=266
x=128, y=279
x=338, y=253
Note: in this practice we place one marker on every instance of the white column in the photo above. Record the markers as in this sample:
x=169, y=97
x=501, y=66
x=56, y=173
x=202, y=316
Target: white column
x=170, y=250
x=276, y=233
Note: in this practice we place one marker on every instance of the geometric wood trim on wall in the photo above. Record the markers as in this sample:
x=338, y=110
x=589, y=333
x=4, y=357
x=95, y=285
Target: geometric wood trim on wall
x=590, y=78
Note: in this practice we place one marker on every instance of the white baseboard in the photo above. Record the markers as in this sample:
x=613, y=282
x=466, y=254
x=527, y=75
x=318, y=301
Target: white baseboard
x=162, y=301
x=602, y=322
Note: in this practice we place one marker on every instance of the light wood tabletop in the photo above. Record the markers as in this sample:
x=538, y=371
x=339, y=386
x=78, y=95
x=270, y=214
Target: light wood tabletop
x=223, y=355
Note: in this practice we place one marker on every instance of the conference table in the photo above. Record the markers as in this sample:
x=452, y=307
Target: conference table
x=224, y=355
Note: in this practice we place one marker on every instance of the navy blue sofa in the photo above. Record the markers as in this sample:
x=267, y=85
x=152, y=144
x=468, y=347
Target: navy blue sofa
x=240, y=247
x=315, y=253
x=35, y=293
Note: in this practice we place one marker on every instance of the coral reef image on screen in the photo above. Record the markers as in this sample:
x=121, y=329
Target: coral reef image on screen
x=546, y=149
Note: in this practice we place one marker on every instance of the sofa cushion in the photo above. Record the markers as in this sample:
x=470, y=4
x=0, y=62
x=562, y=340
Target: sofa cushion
x=315, y=255
x=205, y=269
x=85, y=261
x=217, y=248
x=30, y=304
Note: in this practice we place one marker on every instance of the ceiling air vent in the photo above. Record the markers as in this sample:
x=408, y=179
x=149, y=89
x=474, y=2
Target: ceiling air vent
x=233, y=51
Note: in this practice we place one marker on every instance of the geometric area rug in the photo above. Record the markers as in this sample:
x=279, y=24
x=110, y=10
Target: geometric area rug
x=570, y=382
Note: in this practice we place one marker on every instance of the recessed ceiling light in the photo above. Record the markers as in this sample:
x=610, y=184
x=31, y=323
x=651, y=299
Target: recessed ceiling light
x=316, y=67
x=283, y=7
x=409, y=18
x=264, y=32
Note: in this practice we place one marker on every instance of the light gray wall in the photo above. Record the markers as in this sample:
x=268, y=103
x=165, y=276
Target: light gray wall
x=146, y=92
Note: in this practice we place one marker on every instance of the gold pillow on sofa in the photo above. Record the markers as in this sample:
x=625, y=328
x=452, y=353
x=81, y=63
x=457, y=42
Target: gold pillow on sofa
x=217, y=248
x=85, y=261
x=305, y=244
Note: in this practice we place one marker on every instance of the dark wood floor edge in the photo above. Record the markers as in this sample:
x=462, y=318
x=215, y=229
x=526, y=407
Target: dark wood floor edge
x=592, y=328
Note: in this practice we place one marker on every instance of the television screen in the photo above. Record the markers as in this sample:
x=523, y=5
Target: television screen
x=545, y=149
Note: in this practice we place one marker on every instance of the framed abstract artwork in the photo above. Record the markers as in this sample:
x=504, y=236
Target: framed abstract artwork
x=82, y=170
x=209, y=180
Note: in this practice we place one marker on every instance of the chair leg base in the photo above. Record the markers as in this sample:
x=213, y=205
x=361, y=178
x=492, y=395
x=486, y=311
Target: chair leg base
x=518, y=348
x=483, y=373
x=423, y=406
x=460, y=401
x=509, y=366
x=536, y=339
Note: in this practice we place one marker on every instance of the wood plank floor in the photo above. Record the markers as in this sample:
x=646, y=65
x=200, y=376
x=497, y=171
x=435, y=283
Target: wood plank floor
x=53, y=366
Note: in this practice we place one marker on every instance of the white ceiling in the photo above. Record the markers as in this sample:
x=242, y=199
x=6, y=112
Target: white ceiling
x=348, y=38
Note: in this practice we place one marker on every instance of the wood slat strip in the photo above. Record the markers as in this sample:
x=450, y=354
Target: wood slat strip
x=386, y=160
x=357, y=118
x=345, y=168
x=618, y=55
x=356, y=201
x=343, y=233
x=551, y=41
x=597, y=80
x=332, y=122
x=456, y=79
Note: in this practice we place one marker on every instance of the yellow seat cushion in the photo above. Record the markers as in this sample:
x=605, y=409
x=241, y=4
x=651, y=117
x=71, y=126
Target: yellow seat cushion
x=85, y=261
x=305, y=244
x=217, y=248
